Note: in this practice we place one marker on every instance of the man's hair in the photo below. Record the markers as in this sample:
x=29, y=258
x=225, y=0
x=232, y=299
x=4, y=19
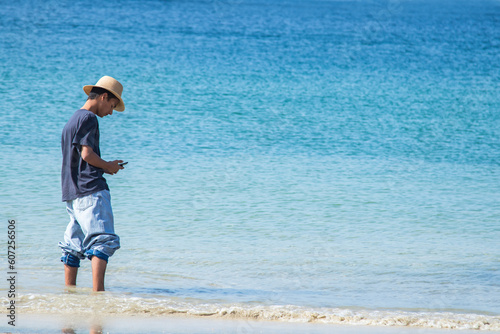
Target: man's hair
x=98, y=91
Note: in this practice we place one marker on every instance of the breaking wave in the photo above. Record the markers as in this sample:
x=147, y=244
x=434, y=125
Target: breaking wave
x=110, y=304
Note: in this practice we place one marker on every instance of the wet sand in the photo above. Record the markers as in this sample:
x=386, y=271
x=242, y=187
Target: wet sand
x=40, y=323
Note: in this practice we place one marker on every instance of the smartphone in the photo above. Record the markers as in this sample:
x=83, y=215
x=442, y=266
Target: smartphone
x=123, y=163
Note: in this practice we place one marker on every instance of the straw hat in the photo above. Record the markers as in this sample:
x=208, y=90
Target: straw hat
x=113, y=86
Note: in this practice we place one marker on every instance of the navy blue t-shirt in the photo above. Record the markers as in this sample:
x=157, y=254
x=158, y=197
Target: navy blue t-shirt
x=78, y=178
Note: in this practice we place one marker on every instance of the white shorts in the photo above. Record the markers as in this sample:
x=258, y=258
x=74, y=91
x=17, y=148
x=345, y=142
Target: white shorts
x=90, y=231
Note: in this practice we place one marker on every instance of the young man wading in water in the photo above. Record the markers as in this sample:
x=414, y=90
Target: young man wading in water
x=90, y=232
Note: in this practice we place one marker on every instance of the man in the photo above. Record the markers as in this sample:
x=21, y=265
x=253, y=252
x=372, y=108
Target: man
x=90, y=232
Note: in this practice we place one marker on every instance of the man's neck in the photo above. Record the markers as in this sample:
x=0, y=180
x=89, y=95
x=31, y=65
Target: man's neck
x=90, y=105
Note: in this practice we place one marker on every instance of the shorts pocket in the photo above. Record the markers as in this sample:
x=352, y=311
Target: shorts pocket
x=83, y=203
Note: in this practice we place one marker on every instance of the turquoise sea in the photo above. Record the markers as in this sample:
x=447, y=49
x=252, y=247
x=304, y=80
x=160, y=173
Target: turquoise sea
x=324, y=161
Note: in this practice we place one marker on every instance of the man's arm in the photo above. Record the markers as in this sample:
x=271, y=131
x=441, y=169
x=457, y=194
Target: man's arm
x=110, y=167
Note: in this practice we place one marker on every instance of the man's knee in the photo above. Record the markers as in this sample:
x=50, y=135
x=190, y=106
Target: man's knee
x=94, y=252
x=70, y=260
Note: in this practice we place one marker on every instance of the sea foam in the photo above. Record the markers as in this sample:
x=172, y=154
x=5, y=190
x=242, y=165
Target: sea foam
x=111, y=304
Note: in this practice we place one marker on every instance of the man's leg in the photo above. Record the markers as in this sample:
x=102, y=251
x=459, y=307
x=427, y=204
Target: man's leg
x=101, y=241
x=70, y=275
x=72, y=244
x=98, y=272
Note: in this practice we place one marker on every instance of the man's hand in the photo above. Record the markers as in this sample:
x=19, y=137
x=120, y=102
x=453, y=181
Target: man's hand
x=112, y=167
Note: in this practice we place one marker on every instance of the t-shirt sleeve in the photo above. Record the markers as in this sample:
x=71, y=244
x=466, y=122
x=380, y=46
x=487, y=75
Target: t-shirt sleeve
x=86, y=132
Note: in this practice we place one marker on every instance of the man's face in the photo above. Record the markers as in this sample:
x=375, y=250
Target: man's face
x=106, y=106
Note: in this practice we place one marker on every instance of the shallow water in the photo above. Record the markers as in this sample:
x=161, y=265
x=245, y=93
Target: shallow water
x=326, y=155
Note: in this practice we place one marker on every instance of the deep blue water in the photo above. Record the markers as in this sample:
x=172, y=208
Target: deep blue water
x=314, y=153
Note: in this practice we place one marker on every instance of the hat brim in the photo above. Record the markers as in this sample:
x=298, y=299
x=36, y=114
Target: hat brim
x=119, y=107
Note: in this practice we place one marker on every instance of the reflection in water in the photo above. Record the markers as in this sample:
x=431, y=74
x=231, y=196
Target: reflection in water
x=94, y=329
